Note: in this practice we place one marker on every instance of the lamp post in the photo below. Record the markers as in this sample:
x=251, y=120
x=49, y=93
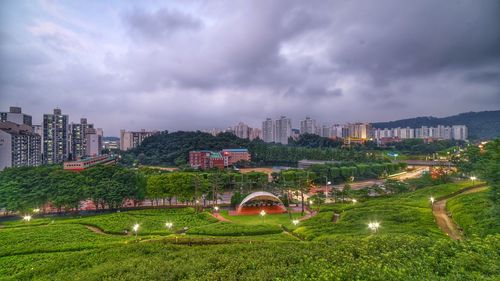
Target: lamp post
x=295, y=222
x=473, y=179
x=27, y=218
x=135, y=228
x=354, y=201
x=432, y=200
x=327, y=183
x=216, y=209
x=169, y=225
x=262, y=214
x=374, y=226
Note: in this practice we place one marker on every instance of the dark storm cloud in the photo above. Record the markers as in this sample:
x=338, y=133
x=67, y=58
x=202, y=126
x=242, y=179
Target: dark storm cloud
x=159, y=24
x=217, y=63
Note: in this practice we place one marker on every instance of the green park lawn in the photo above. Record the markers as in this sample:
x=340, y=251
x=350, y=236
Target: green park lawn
x=408, y=245
x=474, y=213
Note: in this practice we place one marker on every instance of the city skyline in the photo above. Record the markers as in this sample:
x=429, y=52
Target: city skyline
x=194, y=65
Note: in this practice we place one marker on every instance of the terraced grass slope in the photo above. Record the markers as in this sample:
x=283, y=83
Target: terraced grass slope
x=474, y=214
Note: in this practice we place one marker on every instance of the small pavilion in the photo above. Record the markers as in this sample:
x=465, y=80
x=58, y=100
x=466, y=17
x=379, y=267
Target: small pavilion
x=255, y=202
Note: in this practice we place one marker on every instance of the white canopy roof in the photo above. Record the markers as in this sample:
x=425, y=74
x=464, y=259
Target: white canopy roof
x=260, y=195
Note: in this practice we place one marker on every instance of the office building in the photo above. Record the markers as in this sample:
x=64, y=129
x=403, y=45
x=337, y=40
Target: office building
x=55, y=137
x=19, y=146
x=15, y=115
x=129, y=140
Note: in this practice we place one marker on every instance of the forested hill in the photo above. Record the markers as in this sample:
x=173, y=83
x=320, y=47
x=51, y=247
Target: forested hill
x=482, y=125
x=173, y=149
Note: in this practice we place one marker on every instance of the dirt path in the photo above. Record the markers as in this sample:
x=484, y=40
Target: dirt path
x=219, y=217
x=94, y=229
x=445, y=223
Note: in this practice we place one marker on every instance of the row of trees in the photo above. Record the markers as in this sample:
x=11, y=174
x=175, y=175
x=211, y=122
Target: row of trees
x=27, y=188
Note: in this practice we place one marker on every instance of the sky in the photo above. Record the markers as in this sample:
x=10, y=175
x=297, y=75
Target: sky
x=187, y=65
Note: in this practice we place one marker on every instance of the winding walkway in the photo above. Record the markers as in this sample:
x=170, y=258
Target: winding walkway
x=445, y=223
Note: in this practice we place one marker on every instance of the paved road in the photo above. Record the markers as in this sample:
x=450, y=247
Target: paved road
x=364, y=184
x=445, y=223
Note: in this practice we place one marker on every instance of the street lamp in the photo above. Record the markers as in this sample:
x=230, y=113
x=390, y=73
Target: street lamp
x=216, y=209
x=374, y=226
x=327, y=183
x=473, y=179
x=432, y=200
x=262, y=213
x=27, y=218
x=169, y=225
x=354, y=201
x=295, y=222
x=36, y=210
x=135, y=228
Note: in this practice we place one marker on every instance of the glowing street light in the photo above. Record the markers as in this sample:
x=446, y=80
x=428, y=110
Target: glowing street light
x=374, y=226
x=27, y=218
x=295, y=222
x=169, y=225
x=262, y=213
x=135, y=228
x=432, y=200
x=216, y=208
x=36, y=210
x=473, y=179
x=310, y=202
x=354, y=201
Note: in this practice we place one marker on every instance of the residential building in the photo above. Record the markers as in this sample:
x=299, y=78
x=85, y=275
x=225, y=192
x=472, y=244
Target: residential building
x=88, y=162
x=15, y=115
x=93, y=142
x=459, y=132
x=268, y=130
x=19, y=146
x=78, y=138
x=295, y=134
x=55, y=137
x=255, y=133
x=308, y=126
x=129, y=140
x=326, y=131
x=282, y=130
x=337, y=131
x=360, y=131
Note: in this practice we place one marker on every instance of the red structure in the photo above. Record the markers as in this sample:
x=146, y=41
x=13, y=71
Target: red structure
x=260, y=201
x=205, y=159
x=232, y=156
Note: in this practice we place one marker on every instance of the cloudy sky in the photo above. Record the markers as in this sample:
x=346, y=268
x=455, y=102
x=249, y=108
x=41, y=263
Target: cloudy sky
x=196, y=65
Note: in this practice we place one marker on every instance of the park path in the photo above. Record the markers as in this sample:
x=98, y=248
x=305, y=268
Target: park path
x=445, y=223
x=219, y=217
x=94, y=229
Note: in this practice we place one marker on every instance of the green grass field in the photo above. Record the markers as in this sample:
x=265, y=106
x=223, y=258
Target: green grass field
x=408, y=246
x=474, y=213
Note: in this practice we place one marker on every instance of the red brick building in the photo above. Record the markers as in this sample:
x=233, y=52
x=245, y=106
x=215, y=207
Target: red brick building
x=232, y=156
x=205, y=159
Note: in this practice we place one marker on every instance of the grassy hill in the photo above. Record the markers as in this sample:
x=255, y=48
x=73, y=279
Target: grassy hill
x=482, y=125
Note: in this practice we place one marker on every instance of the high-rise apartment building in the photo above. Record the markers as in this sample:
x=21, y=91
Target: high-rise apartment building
x=268, y=130
x=308, y=126
x=459, y=132
x=326, y=131
x=255, y=133
x=55, y=137
x=242, y=130
x=282, y=130
x=93, y=142
x=16, y=116
x=78, y=138
x=130, y=140
x=360, y=130
x=19, y=146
